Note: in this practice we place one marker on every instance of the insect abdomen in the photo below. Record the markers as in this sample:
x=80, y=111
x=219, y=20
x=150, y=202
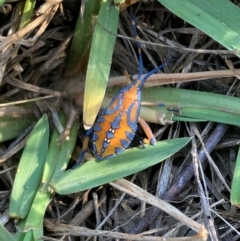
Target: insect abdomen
x=115, y=128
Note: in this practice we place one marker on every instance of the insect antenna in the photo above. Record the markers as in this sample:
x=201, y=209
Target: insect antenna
x=138, y=45
x=140, y=56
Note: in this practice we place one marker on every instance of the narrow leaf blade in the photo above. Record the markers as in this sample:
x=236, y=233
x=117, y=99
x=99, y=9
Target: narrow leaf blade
x=5, y=235
x=30, y=169
x=95, y=173
x=217, y=18
x=99, y=61
x=11, y=127
x=235, y=192
x=83, y=32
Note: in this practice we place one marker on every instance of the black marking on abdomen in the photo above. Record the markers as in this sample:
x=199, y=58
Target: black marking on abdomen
x=100, y=119
x=97, y=128
x=130, y=135
x=94, y=137
x=110, y=134
x=116, y=123
x=119, y=150
x=125, y=143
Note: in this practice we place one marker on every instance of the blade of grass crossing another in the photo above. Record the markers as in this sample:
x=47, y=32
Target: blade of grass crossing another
x=180, y=98
x=34, y=219
x=5, y=235
x=31, y=235
x=95, y=173
x=59, y=154
x=56, y=163
x=200, y=106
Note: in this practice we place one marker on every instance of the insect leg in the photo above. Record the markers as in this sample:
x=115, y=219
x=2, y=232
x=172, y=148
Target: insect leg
x=84, y=148
x=150, y=137
x=171, y=109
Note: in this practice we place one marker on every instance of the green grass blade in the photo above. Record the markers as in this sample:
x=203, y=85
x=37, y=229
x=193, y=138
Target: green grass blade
x=212, y=115
x=95, y=173
x=83, y=35
x=59, y=154
x=66, y=151
x=27, y=13
x=192, y=105
x=5, y=235
x=37, y=234
x=34, y=219
x=51, y=159
x=30, y=169
x=31, y=235
x=11, y=127
x=235, y=191
x=217, y=18
x=2, y=2
x=180, y=98
x=189, y=119
x=195, y=104
x=99, y=61
x=56, y=162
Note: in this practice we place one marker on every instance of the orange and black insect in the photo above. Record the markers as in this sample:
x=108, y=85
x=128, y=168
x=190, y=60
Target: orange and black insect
x=115, y=127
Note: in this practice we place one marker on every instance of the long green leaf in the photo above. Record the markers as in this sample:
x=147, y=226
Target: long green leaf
x=95, y=173
x=212, y=115
x=56, y=162
x=31, y=235
x=11, y=127
x=30, y=169
x=194, y=105
x=100, y=61
x=59, y=154
x=5, y=235
x=34, y=219
x=83, y=35
x=235, y=191
x=27, y=13
x=197, y=105
x=2, y=2
x=217, y=18
x=180, y=98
